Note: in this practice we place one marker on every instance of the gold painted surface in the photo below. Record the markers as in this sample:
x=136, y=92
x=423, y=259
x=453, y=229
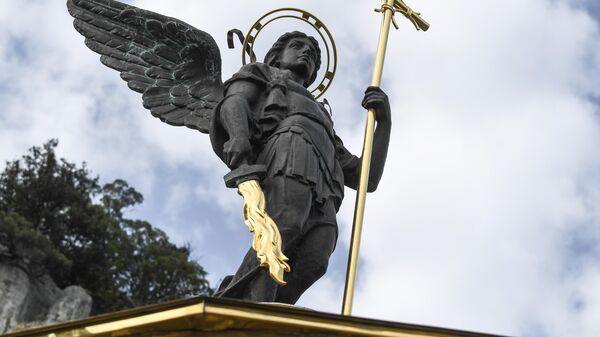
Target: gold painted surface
x=267, y=239
x=361, y=193
x=199, y=317
x=388, y=8
x=145, y=320
x=412, y=16
x=318, y=325
x=299, y=14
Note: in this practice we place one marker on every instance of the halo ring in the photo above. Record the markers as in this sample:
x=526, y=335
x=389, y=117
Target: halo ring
x=324, y=33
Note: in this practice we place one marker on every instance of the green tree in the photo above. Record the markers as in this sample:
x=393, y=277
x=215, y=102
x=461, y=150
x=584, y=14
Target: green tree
x=56, y=218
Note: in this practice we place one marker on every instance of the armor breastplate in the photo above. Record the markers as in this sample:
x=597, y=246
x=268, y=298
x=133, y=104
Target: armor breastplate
x=300, y=101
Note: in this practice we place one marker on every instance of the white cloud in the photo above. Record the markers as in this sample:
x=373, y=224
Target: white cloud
x=492, y=139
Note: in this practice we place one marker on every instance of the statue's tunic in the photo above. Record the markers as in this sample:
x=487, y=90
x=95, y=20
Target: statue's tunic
x=293, y=136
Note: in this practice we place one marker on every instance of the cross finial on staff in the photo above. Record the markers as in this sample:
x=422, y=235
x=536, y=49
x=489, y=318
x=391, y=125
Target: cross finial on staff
x=388, y=8
x=414, y=17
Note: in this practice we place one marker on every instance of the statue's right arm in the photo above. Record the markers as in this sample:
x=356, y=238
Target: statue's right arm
x=236, y=118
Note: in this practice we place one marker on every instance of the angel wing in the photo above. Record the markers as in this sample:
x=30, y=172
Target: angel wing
x=175, y=66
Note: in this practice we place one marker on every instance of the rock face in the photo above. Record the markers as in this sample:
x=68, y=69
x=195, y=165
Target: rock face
x=27, y=301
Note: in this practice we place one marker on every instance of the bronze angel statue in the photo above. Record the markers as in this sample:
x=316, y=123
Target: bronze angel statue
x=276, y=139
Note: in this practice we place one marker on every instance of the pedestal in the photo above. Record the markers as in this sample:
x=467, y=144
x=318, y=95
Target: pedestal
x=211, y=317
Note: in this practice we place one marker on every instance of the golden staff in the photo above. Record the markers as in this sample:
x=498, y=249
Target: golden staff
x=388, y=9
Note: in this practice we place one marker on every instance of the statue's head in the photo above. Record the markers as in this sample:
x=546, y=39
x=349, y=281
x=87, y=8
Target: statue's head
x=298, y=52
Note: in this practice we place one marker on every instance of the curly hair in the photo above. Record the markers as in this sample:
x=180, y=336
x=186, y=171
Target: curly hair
x=273, y=55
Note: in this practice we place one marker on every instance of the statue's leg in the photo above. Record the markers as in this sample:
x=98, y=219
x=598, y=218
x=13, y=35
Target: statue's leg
x=310, y=263
x=289, y=203
x=262, y=288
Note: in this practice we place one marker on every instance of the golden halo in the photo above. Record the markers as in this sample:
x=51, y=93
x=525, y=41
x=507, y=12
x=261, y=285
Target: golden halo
x=299, y=14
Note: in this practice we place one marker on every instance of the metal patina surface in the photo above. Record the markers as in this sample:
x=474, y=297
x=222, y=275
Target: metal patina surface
x=277, y=140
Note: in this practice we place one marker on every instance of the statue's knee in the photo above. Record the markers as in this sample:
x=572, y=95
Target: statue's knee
x=320, y=268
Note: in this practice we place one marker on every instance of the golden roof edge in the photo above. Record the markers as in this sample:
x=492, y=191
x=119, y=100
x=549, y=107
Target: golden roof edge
x=276, y=315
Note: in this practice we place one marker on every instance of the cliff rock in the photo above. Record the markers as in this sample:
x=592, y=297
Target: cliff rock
x=27, y=301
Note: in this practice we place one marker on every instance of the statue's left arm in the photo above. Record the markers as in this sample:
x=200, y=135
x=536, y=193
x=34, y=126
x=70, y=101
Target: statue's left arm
x=377, y=99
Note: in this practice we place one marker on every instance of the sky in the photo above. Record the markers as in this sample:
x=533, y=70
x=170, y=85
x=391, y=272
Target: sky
x=488, y=214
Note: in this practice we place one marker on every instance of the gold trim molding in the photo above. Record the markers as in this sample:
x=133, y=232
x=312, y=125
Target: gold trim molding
x=197, y=317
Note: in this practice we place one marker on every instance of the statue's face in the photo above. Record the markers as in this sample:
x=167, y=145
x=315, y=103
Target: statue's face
x=299, y=56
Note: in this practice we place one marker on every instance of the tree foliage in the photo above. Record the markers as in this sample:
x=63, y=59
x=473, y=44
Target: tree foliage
x=56, y=218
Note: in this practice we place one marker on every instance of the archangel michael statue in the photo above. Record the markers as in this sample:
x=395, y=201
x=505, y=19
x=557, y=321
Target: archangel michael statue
x=277, y=140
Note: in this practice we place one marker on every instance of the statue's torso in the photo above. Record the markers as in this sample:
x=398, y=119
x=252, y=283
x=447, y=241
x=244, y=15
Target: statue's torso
x=302, y=144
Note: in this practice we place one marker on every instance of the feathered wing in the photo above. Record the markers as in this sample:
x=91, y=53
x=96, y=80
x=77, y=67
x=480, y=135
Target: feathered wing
x=175, y=66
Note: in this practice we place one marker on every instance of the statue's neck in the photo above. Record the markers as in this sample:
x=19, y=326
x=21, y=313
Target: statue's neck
x=294, y=74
